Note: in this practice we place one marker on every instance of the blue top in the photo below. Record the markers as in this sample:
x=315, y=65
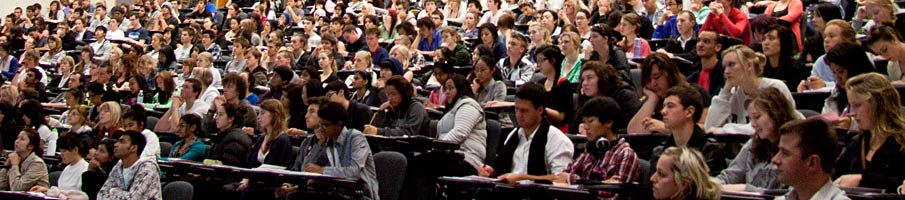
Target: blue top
x=378, y=56
x=139, y=34
x=433, y=45
x=668, y=29
x=11, y=69
x=252, y=98
x=195, y=153
x=822, y=69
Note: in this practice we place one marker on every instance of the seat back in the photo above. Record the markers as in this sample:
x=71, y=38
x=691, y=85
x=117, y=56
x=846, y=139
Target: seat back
x=494, y=134
x=165, y=149
x=636, y=77
x=54, y=178
x=390, y=166
x=151, y=122
x=178, y=190
x=646, y=172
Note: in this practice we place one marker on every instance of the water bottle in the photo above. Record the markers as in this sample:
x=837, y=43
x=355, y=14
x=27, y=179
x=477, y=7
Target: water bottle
x=637, y=48
x=141, y=97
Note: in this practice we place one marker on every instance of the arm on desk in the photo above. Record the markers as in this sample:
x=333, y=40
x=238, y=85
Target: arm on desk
x=513, y=179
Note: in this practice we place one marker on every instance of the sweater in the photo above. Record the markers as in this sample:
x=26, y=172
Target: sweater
x=464, y=124
x=756, y=176
x=231, y=147
x=728, y=112
x=143, y=183
x=408, y=119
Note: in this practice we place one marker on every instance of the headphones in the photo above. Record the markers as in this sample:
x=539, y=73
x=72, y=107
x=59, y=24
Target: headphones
x=599, y=147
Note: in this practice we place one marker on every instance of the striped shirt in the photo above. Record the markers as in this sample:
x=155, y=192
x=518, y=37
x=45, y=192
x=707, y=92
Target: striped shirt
x=619, y=161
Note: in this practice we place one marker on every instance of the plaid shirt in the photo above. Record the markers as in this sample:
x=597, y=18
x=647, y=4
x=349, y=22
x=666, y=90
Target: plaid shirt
x=618, y=161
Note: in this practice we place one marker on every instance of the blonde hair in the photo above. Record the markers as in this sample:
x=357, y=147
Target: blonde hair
x=113, y=108
x=149, y=62
x=885, y=4
x=574, y=38
x=452, y=32
x=9, y=94
x=329, y=57
x=876, y=89
x=206, y=56
x=71, y=61
x=204, y=75
x=405, y=53
x=690, y=168
x=542, y=30
x=744, y=53
x=366, y=55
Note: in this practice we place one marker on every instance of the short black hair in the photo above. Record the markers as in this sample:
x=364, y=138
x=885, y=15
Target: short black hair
x=136, y=138
x=337, y=86
x=426, y=23
x=284, y=72
x=137, y=113
x=332, y=112
x=532, y=92
x=73, y=142
x=815, y=137
x=689, y=97
x=601, y=107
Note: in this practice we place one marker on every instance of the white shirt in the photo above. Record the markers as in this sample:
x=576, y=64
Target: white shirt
x=827, y=192
x=183, y=51
x=558, y=151
x=209, y=95
x=71, y=177
x=50, y=140
x=199, y=108
x=152, y=147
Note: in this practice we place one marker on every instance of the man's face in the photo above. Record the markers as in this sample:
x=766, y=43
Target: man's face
x=790, y=165
x=187, y=91
x=707, y=44
x=526, y=114
x=312, y=121
x=372, y=40
x=75, y=81
x=78, y=25
x=123, y=147
x=438, y=21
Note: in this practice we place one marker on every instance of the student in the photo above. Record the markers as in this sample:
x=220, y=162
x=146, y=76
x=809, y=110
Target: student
x=72, y=152
x=231, y=144
x=570, y=45
x=709, y=69
x=682, y=174
x=234, y=88
x=780, y=51
x=486, y=86
x=558, y=106
x=680, y=116
x=134, y=120
x=750, y=170
x=24, y=167
x=601, y=80
x=603, y=48
x=658, y=75
x=33, y=117
x=822, y=77
x=359, y=113
x=189, y=147
x=402, y=114
x=683, y=44
x=873, y=158
x=186, y=103
x=535, y=150
x=727, y=18
x=607, y=158
x=133, y=177
x=887, y=42
x=807, y=151
x=629, y=27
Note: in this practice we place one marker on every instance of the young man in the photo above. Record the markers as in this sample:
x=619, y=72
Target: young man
x=207, y=41
x=352, y=38
x=516, y=67
x=372, y=39
x=359, y=114
x=682, y=109
x=185, y=103
x=314, y=40
x=351, y=156
x=81, y=33
x=101, y=47
x=240, y=46
x=535, y=150
x=683, y=45
x=428, y=39
x=132, y=178
x=300, y=50
x=134, y=120
x=607, y=157
x=807, y=154
x=709, y=74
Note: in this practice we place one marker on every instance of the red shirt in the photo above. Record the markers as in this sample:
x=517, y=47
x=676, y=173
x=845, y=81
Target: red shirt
x=734, y=23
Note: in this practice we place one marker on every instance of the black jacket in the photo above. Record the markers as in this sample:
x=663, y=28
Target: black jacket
x=883, y=171
x=713, y=151
x=231, y=147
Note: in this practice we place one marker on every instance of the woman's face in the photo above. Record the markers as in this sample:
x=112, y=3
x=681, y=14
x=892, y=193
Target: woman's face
x=223, y=121
x=105, y=116
x=102, y=155
x=264, y=119
x=362, y=63
x=22, y=143
x=393, y=96
x=74, y=117
x=450, y=90
x=832, y=35
x=589, y=83
x=358, y=82
x=861, y=109
x=890, y=50
x=66, y=67
x=483, y=72
x=547, y=19
x=487, y=37
x=771, y=43
x=385, y=74
x=581, y=20
x=625, y=27
x=545, y=65
x=818, y=22
x=565, y=44
x=470, y=20
x=536, y=36
x=323, y=60
x=134, y=86
x=230, y=92
x=598, y=41
x=735, y=68
x=184, y=130
x=840, y=73
x=761, y=122
x=664, y=180
x=659, y=82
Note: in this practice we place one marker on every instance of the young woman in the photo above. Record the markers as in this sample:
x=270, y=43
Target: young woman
x=455, y=11
x=486, y=87
x=846, y=60
x=66, y=66
x=628, y=27
x=137, y=86
x=327, y=62
x=599, y=79
x=9, y=63
x=813, y=47
x=189, y=147
x=100, y=164
x=743, y=69
x=404, y=56
x=570, y=44
x=874, y=156
x=164, y=92
x=550, y=20
x=231, y=144
x=780, y=51
x=559, y=106
x=490, y=37
x=682, y=174
x=33, y=117
x=109, y=116
x=54, y=50
x=885, y=41
x=404, y=115
x=752, y=169
x=273, y=147
x=455, y=52
x=24, y=167
x=77, y=120
x=822, y=77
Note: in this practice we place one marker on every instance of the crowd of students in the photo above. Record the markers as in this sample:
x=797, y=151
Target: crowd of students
x=104, y=86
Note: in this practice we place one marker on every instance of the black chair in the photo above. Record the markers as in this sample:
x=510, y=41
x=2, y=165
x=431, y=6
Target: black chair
x=391, y=167
x=646, y=172
x=178, y=190
x=54, y=178
x=810, y=100
x=165, y=149
x=494, y=138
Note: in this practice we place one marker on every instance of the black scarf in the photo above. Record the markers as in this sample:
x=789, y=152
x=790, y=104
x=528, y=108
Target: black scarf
x=536, y=152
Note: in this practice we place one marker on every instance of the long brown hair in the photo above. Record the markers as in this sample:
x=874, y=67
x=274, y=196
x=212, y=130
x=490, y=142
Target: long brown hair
x=888, y=119
x=775, y=105
x=279, y=121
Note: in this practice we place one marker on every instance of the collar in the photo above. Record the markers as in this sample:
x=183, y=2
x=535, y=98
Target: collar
x=827, y=191
x=698, y=138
